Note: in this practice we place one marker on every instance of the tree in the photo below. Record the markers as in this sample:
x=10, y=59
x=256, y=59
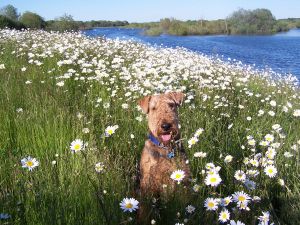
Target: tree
x=10, y=12
x=6, y=22
x=258, y=21
x=63, y=23
x=32, y=20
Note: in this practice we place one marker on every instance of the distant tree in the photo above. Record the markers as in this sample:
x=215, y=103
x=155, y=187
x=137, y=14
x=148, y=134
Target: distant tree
x=10, y=12
x=63, y=23
x=251, y=22
x=9, y=23
x=32, y=20
x=165, y=24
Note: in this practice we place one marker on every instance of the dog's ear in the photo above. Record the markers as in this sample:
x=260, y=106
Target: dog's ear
x=177, y=97
x=144, y=103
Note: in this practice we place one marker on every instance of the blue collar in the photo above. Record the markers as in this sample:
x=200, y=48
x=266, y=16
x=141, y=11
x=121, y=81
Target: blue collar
x=156, y=142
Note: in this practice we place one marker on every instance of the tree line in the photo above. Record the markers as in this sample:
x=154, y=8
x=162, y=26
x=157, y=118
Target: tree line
x=258, y=21
x=9, y=17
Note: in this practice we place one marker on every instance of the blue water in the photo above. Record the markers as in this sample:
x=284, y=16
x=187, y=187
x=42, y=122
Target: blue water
x=280, y=52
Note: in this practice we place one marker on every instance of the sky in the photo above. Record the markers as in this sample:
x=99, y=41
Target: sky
x=151, y=10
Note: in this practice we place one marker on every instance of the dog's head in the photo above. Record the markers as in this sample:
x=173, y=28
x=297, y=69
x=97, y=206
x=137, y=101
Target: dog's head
x=162, y=115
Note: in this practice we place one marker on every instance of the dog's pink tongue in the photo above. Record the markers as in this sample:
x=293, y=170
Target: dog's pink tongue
x=166, y=137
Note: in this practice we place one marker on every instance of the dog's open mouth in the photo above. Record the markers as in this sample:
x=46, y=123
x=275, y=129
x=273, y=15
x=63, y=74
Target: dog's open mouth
x=166, y=137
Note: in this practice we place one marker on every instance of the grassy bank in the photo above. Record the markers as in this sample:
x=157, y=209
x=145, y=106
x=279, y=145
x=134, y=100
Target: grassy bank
x=56, y=88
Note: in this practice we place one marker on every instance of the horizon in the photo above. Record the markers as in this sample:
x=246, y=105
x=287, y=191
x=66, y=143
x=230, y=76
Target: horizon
x=151, y=11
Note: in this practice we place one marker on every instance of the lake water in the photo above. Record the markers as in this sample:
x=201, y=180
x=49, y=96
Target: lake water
x=280, y=52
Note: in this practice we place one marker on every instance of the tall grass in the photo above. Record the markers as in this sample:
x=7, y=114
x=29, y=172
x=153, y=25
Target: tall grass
x=52, y=86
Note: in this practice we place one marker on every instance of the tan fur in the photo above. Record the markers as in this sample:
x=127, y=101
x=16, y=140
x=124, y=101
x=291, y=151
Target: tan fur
x=155, y=167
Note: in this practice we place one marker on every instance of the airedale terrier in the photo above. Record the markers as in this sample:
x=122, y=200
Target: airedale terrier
x=163, y=152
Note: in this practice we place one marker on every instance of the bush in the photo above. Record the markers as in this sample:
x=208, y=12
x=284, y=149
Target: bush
x=32, y=20
x=153, y=31
x=63, y=23
x=6, y=22
x=259, y=21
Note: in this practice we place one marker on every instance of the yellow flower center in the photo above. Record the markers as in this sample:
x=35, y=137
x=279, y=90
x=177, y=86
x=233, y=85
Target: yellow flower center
x=241, y=198
x=77, y=147
x=193, y=141
x=210, y=204
x=110, y=132
x=128, y=205
x=178, y=176
x=270, y=170
x=224, y=216
x=29, y=163
x=213, y=179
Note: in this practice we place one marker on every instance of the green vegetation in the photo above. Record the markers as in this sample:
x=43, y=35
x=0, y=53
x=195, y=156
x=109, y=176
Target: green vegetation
x=258, y=21
x=10, y=12
x=6, y=22
x=63, y=23
x=32, y=20
x=59, y=87
x=9, y=17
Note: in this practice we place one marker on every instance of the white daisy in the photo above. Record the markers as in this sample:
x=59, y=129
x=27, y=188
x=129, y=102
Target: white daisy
x=250, y=184
x=228, y=159
x=269, y=138
x=129, y=204
x=211, y=204
x=99, y=167
x=76, y=146
x=178, y=176
x=243, y=206
x=213, y=180
x=271, y=113
x=264, y=219
x=296, y=113
x=110, y=130
x=226, y=201
x=196, y=188
x=85, y=130
x=241, y=196
x=200, y=154
x=240, y=175
x=271, y=153
x=224, y=216
x=29, y=163
x=199, y=132
x=192, y=141
x=273, y=103
x=190, y=209
x=251, y=142
x=254, y=162
x=270, y=171
x=264, y=143
x=232, y=222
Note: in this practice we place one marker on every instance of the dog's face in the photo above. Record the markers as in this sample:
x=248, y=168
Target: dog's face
x=162, y=115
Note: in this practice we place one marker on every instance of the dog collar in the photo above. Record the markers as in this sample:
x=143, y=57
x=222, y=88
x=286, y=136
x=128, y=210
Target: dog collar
x=157, y=143
x=154, y=140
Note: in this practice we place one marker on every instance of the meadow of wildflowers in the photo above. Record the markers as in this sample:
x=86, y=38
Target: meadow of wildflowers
x=71, y=134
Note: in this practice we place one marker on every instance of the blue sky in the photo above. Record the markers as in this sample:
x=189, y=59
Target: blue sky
x=151, y=10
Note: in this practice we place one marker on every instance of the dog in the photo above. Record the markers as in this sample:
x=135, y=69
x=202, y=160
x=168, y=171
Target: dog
x=163, y=152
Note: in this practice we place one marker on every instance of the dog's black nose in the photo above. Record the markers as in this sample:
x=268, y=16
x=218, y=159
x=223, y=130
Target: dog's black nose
x=166, y=126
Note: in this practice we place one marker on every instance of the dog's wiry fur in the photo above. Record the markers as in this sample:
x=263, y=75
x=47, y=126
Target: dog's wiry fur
x=155, y=166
